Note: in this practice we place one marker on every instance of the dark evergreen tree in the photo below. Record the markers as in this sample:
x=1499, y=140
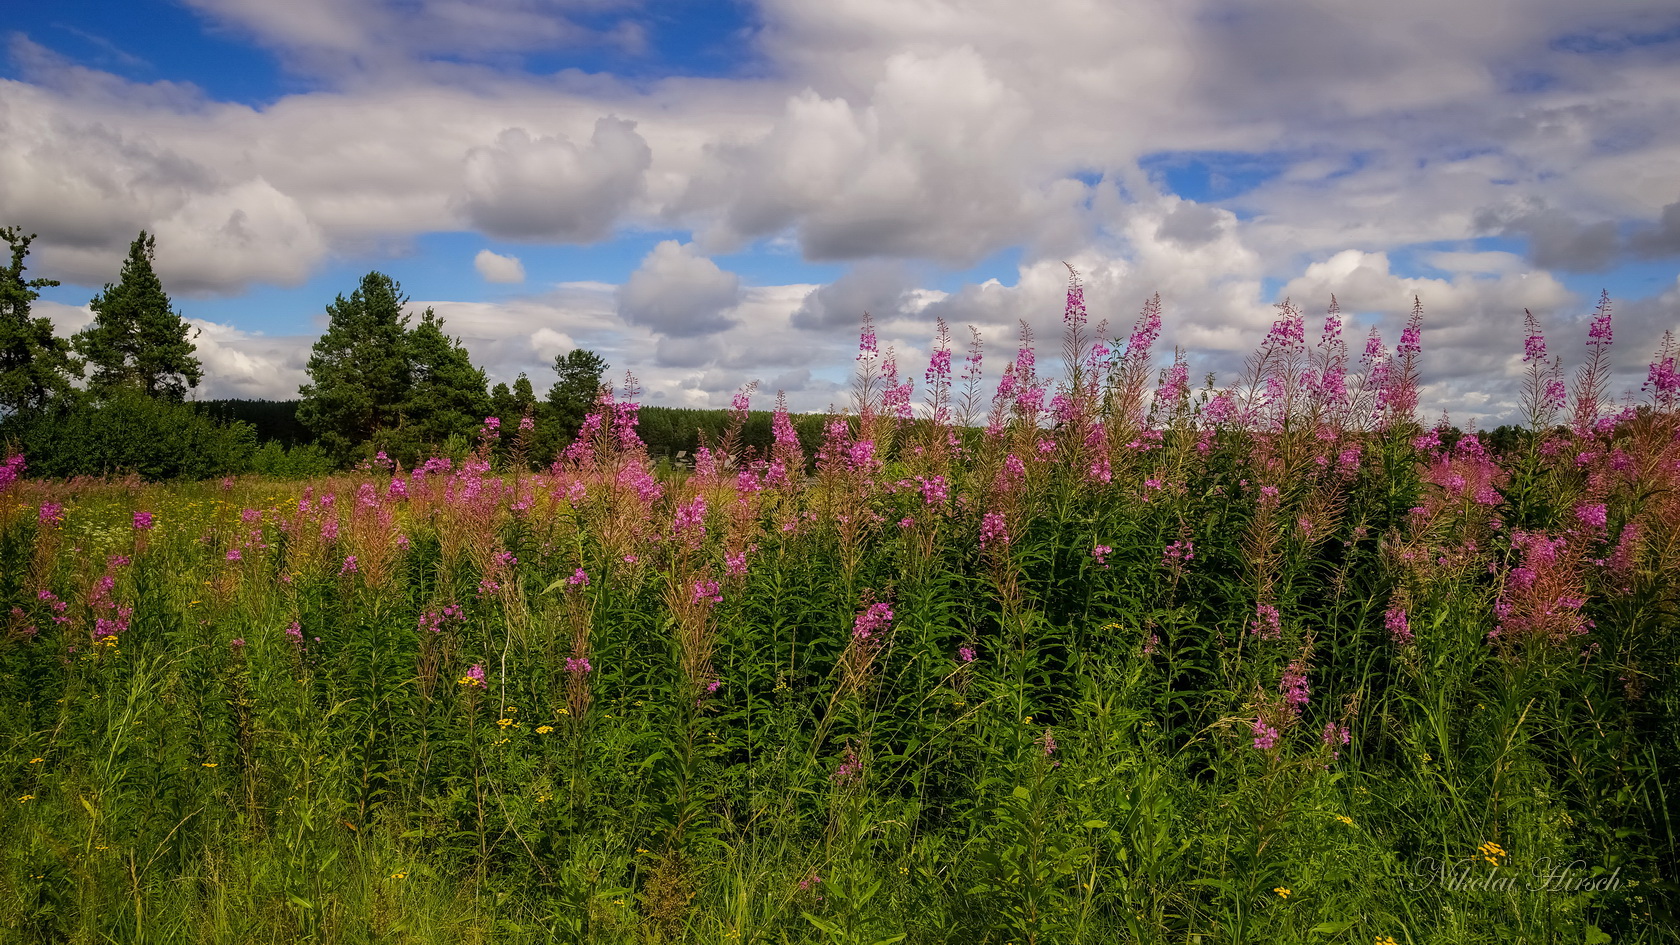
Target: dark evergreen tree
x=448, y=395
x=35, y=364
x=513, y=405
x=137, y=341
x=573, y=394
x=501, y=400
x=524, y=396
x=360, y=372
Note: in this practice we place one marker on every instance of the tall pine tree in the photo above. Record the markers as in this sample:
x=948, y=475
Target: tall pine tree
x=515, y=404
x=570, y=399
x=448, y=395
x=359, y=370
x=137, y=341
x=35, y=364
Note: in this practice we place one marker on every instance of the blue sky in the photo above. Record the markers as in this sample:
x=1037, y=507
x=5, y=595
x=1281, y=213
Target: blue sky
x=713, y=192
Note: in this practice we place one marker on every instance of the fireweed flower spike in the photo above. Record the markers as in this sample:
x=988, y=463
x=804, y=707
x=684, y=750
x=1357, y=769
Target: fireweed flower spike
x=474, y=679
x=1268, y=623
x=11, y=470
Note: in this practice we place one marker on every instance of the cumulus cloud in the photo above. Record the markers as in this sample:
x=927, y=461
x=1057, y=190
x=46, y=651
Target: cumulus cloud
x=679, y=293
x=249, y=365
x=880, y=287
x=88, y=187
x=1556, y=240
x=1660, y=240
x=935, y=166
x=549, y=188
x=494, y=267
x=1560, y=240
x=525, y=334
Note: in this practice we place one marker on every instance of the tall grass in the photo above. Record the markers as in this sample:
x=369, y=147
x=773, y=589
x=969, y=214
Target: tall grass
x=1103, y=659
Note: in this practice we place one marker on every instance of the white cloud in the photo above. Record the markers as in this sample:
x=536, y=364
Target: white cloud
x=494, y=267
x=241, y=364
x=549, y=188
x=679, y=293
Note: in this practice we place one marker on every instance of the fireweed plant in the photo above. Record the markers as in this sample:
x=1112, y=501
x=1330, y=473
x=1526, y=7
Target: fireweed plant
x=1091, y=659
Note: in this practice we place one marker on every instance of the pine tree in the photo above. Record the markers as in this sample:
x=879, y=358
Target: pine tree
x=360, y=372
x=137, y=340
x=515, y=404
x=448, y=395
x=35, y=364
x=524, y=397
x=572, y=396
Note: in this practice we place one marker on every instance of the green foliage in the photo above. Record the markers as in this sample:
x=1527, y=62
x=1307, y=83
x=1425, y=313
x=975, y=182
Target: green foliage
x=578, y=382
x=377, y=384
x=129, y=432
x=298, y=461
x=137, y=341
x=515, y=404
x=360, y=370
x=35, y=364
x=447, y=397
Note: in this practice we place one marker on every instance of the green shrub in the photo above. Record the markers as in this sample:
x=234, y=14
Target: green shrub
x=130, y=433
x=302, y=461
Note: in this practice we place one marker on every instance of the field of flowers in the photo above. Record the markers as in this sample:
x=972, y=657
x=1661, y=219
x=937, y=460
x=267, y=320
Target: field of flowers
x=1094, y=660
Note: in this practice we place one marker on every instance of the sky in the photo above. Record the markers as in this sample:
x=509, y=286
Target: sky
x=713, y=192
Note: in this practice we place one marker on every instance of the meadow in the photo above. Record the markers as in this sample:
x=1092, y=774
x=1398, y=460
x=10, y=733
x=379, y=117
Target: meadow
x=1089, y=660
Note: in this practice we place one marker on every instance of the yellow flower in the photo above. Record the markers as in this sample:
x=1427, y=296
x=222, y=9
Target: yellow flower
x=904, y=871
x=1027, y=720
x=543, y=798
x=1345, y=819
x=208, y=764
x=1283, y=892
x=1491, y=852
x=26, y=798
x=400, y=874
x=36, y=761
x=504, y=723
x=544, y=729
x=1386, y=940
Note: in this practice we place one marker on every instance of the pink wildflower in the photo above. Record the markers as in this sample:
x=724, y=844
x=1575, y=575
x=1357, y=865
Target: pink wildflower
x=1398, y=626
x=874, y=618
x=474, y=679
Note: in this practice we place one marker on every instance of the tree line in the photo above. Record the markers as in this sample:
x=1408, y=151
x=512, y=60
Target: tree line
x=112, y=398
